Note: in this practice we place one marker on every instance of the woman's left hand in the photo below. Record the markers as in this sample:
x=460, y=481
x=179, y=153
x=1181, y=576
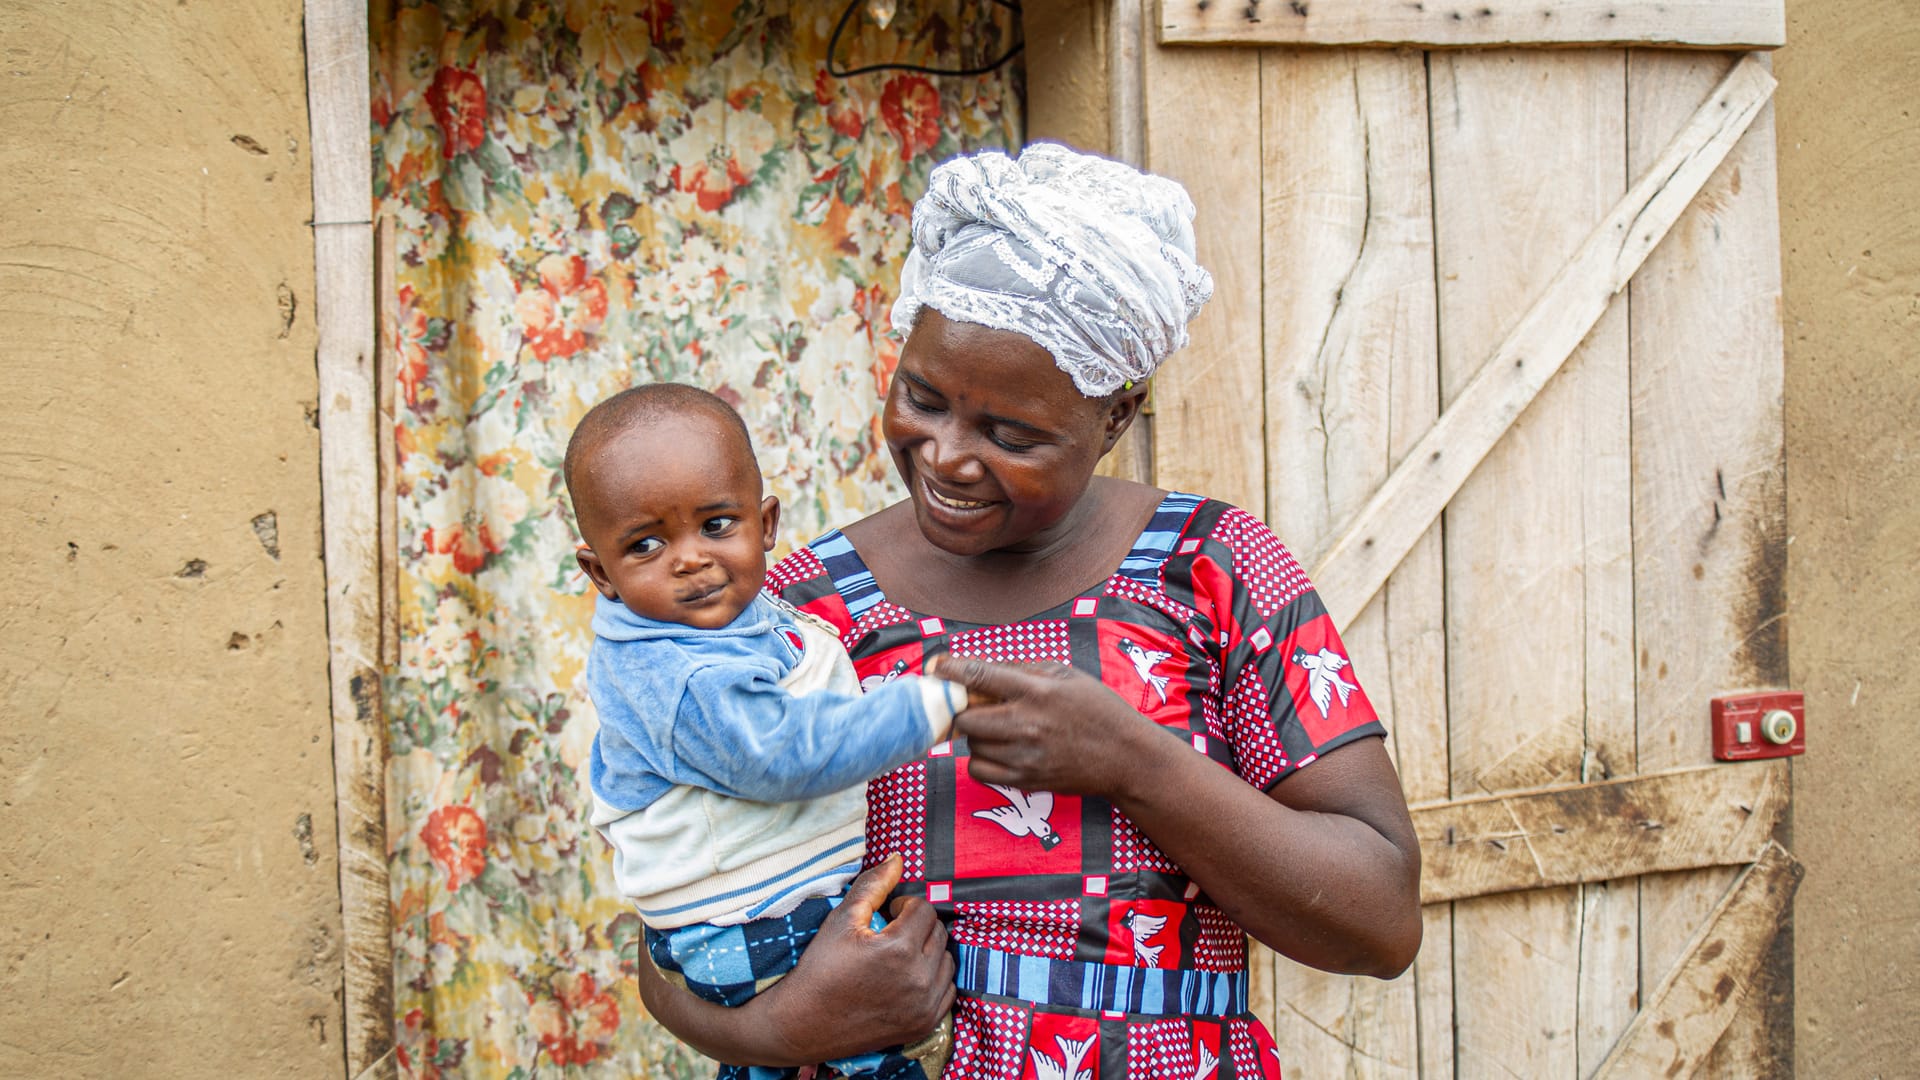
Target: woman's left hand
x=1049, y=728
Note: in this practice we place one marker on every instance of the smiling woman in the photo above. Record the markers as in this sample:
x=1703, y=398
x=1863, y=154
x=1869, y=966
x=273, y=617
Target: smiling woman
x=990, y=439
x=1191, y=760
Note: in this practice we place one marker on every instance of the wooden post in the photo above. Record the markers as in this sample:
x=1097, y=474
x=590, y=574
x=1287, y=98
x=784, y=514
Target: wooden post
x=337, y=92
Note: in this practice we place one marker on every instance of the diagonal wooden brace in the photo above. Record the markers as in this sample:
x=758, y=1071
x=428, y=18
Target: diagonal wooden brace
x=1360, y=561
x=1686, y=1015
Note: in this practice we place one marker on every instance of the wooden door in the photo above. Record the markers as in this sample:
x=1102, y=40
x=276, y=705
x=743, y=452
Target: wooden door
x=1507, y=338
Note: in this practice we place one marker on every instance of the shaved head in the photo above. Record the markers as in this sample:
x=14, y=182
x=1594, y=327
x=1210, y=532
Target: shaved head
x=643, y=406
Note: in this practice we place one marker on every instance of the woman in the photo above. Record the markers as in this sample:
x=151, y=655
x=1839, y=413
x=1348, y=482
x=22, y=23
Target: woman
x=1095, y=860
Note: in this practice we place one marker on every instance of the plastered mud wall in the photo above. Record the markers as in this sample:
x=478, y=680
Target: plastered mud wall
x=1849, y=133
x=168, y=892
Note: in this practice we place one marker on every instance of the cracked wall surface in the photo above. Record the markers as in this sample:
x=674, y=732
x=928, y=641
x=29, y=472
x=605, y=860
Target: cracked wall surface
x=168, y=880
x=1849, y=125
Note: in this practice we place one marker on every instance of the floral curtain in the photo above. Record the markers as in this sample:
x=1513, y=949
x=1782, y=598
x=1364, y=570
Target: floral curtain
x=589, y=194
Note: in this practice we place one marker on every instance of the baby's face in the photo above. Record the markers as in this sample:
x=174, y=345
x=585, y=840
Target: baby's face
x=672, y=514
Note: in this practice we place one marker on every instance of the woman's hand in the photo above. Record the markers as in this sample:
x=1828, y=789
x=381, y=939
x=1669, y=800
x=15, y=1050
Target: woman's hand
x=855, y=989
x=1050, y=728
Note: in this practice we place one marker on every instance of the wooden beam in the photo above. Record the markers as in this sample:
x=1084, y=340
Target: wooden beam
x=1685, y=819
x=1685, y=1017
x=1125, y=26
x=1406, y=505
x=1453, y=24
x=343, y=243
x=386, y=383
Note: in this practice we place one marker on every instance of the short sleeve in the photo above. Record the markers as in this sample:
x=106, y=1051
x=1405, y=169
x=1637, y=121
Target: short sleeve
x=1288, y=692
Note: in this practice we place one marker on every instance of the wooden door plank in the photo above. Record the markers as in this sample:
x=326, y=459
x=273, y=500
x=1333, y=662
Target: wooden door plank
x=1203, y=129
x=1069, y=92
x=1683, y=819
x=1709, y=491
x=1438, y=24
x=1724, y=962
x=1351, y=384
x=1480, y=413
x=1528, y=153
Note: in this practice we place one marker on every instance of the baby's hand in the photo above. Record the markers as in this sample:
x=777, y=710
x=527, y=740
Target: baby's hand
x=975, y=698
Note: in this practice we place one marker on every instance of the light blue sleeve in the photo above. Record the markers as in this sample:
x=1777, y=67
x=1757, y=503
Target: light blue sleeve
x=742, y=734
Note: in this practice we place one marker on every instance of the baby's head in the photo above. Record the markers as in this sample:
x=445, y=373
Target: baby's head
x=667, y=495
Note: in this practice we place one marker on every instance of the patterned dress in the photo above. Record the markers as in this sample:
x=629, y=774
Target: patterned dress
x=1083, y=952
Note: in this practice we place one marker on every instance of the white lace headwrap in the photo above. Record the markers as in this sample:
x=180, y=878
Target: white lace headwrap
x=1090, y=258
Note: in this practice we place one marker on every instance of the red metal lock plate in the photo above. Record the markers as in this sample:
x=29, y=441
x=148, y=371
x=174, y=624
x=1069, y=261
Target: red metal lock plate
x=1746, y=726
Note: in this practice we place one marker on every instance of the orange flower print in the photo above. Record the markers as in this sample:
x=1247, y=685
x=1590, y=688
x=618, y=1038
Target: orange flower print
x=459, y=104
x=473, y=521
x=842, y=113
x=577, y=1022
x=434, y=1055
x=719, y=152
x=910, y=107
x=456, y=841
x=568, y=305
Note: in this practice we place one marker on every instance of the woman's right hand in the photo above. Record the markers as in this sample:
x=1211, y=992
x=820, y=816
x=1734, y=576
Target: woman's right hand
x=855, y=989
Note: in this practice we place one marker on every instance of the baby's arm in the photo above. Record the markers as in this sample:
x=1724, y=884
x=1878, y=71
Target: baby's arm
x=744, y=735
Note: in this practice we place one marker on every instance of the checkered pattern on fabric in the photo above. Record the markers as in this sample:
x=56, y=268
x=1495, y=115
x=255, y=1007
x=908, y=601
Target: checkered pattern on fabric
x=884, y=613
x=1132, y=851
x=1222, y=945
x=1160, y=1048
x=1129, y=589
x=1031, y=928
x=989, y=1041
x=1022, y=643
x=802, y=565
x=1250, y=1061
x=1248, y=722
x=1261, y=562
x=896, y=820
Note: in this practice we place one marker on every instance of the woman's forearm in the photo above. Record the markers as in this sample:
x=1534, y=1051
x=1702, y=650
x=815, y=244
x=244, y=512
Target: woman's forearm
x=855, y=989
x=740, y=1036
x=1333, y=889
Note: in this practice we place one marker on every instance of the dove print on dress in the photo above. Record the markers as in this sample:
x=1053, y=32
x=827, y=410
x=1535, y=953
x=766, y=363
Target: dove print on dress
x=1143, y=926
x=1323, y=678
x=1025, y=814
x=1144, y=661
x=1206, y=1063
x=873, y=682
x=1072, y=1054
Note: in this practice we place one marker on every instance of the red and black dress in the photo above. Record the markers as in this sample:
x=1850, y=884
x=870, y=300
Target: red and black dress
x=1083, y=952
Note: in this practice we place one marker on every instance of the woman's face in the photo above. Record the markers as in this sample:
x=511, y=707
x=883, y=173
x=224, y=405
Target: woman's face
x=994, y=442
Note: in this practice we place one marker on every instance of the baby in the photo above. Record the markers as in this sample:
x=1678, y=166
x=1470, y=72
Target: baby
x=734, y=740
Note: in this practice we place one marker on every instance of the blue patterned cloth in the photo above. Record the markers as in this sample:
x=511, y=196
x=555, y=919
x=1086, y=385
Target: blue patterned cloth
x=728, y=965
